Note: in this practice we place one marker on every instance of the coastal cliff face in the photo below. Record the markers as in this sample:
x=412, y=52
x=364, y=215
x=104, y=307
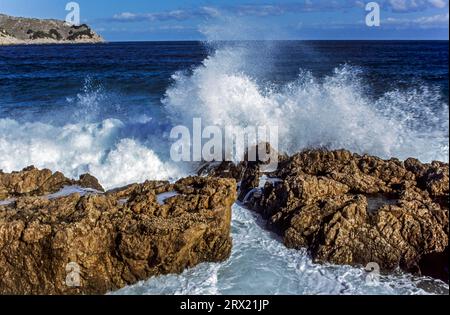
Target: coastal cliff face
x=91, y=242
x=18, y=30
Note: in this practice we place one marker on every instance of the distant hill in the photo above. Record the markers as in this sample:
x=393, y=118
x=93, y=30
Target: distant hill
x=18, y=30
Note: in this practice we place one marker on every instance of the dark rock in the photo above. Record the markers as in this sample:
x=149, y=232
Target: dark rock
x=89, y=181
x=435, y=265
x=247, y=172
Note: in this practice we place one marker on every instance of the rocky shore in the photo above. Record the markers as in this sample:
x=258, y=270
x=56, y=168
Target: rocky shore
x=64, y=236
x=94, y=242
x=26, y=31
x=355, y=210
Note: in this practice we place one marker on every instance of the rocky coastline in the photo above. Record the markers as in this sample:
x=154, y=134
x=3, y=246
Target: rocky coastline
x=96, y=242
x=349, y=209
x=343, y=208
x=28, y=31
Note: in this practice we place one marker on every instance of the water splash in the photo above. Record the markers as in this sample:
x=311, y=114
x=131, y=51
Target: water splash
x=334, y=112
x=96, y=148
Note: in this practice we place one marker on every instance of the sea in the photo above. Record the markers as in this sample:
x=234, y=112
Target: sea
x=108, y=109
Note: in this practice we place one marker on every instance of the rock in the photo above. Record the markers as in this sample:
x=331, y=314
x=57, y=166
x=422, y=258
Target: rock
x=101, y=242
x=221, y=169
x=352, y=209
x=432, y=177
x=19, y=31
x=34, y=182
x=89, y=181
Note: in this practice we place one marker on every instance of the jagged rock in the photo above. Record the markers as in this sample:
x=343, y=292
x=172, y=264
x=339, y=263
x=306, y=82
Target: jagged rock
x=99, y=242
x=432, y=177
x=223, y=169
x=33, y=182
x=19, y=30
x=88, y=181
x=351, y=209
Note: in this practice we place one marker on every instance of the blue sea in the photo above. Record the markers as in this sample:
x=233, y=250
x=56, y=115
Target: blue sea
x=108, y=109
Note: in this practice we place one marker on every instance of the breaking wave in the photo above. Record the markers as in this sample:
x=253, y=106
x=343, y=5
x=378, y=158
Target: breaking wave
x=97, y=148
x=334, y=112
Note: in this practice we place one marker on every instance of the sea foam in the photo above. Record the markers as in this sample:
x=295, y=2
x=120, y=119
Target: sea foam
x=74, y=149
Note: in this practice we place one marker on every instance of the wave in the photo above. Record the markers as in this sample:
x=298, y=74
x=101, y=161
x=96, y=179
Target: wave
x=96, y=148
x=98, y=132
x=334, y=112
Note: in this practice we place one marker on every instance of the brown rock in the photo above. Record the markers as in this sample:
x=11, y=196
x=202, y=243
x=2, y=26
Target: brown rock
x=351, y=209
x=34, y=182
x=101, y=242
x=89, y=181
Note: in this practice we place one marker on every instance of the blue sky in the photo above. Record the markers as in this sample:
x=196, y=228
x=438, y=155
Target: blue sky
x=118, y=20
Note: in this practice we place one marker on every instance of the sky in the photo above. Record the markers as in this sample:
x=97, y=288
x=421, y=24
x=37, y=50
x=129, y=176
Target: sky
x=152, y=20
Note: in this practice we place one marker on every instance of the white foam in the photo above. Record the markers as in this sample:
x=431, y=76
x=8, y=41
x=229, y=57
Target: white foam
x=161, y=198
x=74, y=149
x=69, y=190
x=6, y=202
x=265, y=179
x=334, y=112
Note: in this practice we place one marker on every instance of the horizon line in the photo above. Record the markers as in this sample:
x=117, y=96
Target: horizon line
x=284, y=40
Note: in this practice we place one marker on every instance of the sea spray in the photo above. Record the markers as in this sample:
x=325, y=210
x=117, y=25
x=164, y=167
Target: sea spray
x=333, y=112
x=74, y=149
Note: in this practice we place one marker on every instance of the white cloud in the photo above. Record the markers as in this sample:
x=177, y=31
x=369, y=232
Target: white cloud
x=415, y=5
x=211, y=11
x=434, y=21
x=440, y=4
x=125, y=16
x=178, y=15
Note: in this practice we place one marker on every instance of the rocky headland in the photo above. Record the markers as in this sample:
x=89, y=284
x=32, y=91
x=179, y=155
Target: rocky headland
x=24, y=31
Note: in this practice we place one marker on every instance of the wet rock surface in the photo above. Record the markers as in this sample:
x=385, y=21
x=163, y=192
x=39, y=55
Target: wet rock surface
x=101, y=242
x=352, y=209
